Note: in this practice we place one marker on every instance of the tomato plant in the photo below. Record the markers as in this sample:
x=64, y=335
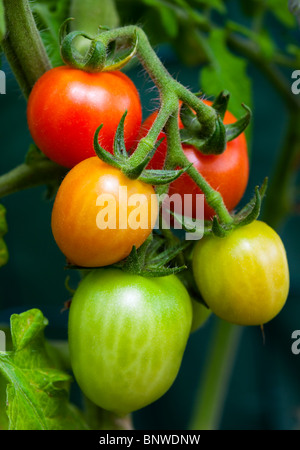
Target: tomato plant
x=66, y=105
x=127, y=336
x=244, y=277
x=142, y=289
x=89, y=237
x=228, y=173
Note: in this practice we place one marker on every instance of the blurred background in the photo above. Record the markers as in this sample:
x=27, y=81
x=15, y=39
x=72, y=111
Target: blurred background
x=255, y=64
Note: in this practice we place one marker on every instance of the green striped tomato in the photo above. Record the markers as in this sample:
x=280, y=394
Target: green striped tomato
x=127, y=336
x=243, y=277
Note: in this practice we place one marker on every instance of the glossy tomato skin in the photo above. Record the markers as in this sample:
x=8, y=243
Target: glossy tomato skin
x=66, y=106
x=243, y=277
x=227, y=173
x=77, y=213
x=127, y=336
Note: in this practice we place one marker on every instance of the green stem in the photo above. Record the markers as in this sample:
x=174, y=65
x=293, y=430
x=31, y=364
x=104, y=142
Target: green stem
x=211, y=395
x=147, y=143
x=176, y=157
x=27, y=176
x=171, y=92
x=165, y=83
x=100, y=419
x=23, y=46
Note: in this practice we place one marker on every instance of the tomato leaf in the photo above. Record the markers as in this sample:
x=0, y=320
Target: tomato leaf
x=167, y=16
x=37, y=391
x=218, y=5
x=3, y=416
x=3, y=383
x=226, y=71
x=281, y=12
x=169, y=21
x=49, y=15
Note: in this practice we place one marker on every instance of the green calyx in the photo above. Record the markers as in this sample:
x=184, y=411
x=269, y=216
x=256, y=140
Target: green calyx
x=154, y=258
x=150, y=259
x=245, y=216
x=213, y=143
x=122, y=161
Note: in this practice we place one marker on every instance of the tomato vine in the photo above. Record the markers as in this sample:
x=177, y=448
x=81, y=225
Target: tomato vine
x=159, y=254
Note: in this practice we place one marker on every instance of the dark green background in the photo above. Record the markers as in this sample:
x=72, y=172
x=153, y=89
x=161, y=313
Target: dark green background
x=264, y=390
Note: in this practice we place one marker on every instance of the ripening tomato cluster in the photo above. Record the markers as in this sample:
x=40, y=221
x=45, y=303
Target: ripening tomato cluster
x=128, y=333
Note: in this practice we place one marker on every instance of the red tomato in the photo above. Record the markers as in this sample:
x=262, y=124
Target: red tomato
x=227, y=173
x=66, y=106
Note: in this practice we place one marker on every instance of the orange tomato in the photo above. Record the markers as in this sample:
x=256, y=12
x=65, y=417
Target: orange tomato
x=99, y=214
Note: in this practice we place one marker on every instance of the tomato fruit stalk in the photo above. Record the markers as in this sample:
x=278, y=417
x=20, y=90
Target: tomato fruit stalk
x=227, y=173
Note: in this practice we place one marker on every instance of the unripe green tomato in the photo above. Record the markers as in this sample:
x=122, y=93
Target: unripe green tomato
x=127, y=336
x=243, y=277
x=200, y=315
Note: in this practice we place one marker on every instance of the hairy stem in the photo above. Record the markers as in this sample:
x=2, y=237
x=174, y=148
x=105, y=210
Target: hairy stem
x=27, y=176
x=176, y=156
x=23, y=46
x=171, y=91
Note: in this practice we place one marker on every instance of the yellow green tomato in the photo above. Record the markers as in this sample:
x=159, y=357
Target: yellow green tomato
x=243, y=277
x=200, y=315
x=127, y=336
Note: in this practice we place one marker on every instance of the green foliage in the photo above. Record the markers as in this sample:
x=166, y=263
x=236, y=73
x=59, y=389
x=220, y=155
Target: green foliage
x=281, y=12
x=226, y=71
x=3, y=416
x=167, y=16
x=3, y=383
x=50, y=15
x=37, y=392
